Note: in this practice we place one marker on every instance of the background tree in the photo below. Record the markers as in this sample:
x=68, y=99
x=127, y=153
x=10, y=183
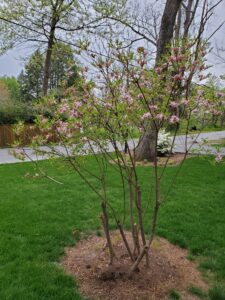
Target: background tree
x=147, y=146
x=63, y=72
x=12, y=108
x=44, y=22
x=158, y=30
x=4, y=93
x=13, y=87
x=31, y=78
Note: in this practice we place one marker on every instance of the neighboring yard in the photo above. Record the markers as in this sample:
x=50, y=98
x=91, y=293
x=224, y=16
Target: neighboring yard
x=38, y=218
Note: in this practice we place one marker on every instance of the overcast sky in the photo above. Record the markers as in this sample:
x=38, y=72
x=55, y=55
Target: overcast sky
x=12, y=63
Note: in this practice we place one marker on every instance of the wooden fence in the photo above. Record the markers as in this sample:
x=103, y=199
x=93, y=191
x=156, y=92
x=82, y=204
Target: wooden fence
x=8, y=136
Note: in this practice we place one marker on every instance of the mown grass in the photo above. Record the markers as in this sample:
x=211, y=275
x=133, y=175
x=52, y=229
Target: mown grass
x=218, y=143
x=38, y=218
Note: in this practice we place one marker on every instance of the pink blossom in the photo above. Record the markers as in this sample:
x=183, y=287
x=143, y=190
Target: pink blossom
x=177, y=77
x=172, y=58
x=218, y=157
x=74, y=114
x=200, y=92
x=180, y=57
x=128, y=98
x=201, y=77
x=175, y=50
x=174, y=119
x=64, y=108
x=153, y=107
x=142, y=62
x=77, y=104
x=185, y=102
x=159, y=116
x=145, y=53
x=220, y=94
x=146, y=115
x=195, y=111
x=174, y=104
x=202, y=67
x=62, y=127
x=48, y=136
x=204, y=103
x=107, y=105
x=158, y=70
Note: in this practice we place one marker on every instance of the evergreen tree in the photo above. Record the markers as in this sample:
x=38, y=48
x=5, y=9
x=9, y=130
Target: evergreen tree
x=63, y=72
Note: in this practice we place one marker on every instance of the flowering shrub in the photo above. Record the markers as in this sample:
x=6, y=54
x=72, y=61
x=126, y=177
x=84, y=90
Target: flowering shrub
x=127, y=97
x=164, y=142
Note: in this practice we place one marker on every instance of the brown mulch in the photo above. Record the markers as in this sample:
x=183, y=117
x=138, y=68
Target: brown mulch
x=169, y=270
x=174, y=160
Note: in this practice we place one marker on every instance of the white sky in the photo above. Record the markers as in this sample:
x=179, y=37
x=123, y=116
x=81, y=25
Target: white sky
x=11, y=63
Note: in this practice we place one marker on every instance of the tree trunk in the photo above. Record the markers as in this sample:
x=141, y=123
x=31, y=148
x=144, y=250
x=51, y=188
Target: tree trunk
x=147, y=145
x=146, y=148
x=48, y=58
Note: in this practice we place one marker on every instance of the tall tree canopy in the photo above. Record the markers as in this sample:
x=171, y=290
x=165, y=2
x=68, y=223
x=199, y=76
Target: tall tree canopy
x=63, y=72
x=44, y=22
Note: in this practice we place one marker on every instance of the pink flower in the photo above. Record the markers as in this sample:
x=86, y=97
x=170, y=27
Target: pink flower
x=64, y=108
x=158, y=70
x=174, y=104
x=142, y=62
x=48, y=136
x=77, y=104
x=140, y=96
x=107, y=105
x=74, y=114
x=202, y=77
x=220, y=94
x=218, y=157
x=146, y=116
x=204, y=103
x=200, y=92
x=175, y=50
x=177, y=77
x=159, y=117
x=128, y=99
x=185, y=102
x=180, y=57
x=145, y=53
x=153, y=107
x=172, y=58
x=174, y=119
x=62, y=127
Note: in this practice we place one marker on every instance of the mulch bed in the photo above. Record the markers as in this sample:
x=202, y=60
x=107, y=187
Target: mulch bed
x=174, y=160
x=169, y=270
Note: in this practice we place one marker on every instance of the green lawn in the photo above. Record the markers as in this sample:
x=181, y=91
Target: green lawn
x=218, y=143
x=38, y=217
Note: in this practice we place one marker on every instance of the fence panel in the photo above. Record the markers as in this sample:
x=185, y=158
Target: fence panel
x=8, y=137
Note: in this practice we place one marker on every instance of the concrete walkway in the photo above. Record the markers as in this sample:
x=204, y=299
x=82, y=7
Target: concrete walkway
x=193, y=143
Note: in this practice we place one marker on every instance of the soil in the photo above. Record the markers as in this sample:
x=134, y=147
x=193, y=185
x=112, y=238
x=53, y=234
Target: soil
x=169, y=270
x=174, y=160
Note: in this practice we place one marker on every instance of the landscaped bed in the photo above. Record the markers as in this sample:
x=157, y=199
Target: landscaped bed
x=169, y=271
x=39, y=219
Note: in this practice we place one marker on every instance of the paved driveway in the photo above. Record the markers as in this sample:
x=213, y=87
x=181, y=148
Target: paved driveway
x=193, y=142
